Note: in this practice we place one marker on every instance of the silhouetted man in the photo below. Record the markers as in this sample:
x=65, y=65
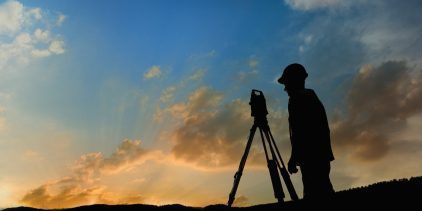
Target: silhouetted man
x=309, y=134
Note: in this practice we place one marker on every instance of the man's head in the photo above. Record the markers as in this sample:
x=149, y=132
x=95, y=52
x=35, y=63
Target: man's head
x=293, y=77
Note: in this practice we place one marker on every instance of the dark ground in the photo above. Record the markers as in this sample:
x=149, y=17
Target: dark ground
x=403, y=194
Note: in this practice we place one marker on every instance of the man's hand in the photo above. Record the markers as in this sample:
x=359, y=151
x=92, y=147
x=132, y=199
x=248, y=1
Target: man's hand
x=292, y=166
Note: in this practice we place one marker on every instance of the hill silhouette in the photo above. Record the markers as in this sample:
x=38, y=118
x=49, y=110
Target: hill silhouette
x=403, y=194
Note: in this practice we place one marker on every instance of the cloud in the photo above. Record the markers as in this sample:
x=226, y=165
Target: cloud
x=84, y=185
x=307, y=41
x=198, y=74
x=60, y=19
x=252, y=73
x=327, y=64
x=67, y=196
x=41, y=35
x=153, y=72
x=253, y=63
x=75, y=195
x=23, y=49
x=128, y=155
x=40, y=53
x=241, y=201
x=201, y=100
x=365, y=33
x=56, y=47
x=208, y=137
x=394, y=32
x=244, y=76
x=35, y=13
x=25, y=35
x=336, y=44
x=249, y=70
x=11, y=17
x=379, y=104
x=314, y=4
x=203, y=56
x=167, y=94
x=212, y=134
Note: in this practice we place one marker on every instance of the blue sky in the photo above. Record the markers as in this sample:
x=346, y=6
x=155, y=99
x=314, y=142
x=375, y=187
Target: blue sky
x=124, y=102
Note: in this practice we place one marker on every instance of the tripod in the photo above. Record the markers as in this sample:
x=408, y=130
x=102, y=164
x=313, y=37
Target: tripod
x=274, y=161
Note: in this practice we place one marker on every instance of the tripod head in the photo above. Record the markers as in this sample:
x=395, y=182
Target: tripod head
x=258, y=104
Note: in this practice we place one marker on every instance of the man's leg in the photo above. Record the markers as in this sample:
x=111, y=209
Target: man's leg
x=327, y=186
x=316, y=180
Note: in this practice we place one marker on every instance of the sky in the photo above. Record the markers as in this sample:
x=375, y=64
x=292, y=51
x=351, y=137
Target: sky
x=147, y=101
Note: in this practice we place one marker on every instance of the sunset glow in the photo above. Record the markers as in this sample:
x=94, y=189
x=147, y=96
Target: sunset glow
x=124, y=102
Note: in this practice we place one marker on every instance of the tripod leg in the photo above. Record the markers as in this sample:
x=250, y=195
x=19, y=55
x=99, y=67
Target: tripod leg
x=283, y=171
x=242, y=163
x=272, y=168
x=264, y=145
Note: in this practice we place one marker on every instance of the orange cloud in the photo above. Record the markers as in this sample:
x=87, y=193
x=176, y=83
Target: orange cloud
x=84, y=187
x=241, y=201
x=128, y=155
x=67, y=196
x=211, y=134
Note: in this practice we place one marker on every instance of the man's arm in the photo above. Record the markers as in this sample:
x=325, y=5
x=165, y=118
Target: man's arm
x=291, y=165
x=293, y=140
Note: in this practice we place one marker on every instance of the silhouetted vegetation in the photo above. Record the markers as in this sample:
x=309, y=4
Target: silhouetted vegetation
x=403, y=194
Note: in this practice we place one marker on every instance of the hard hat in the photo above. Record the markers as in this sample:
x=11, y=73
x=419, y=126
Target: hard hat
x=293, y=72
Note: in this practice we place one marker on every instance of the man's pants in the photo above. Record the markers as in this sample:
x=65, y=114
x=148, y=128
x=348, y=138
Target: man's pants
x=316, y=180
